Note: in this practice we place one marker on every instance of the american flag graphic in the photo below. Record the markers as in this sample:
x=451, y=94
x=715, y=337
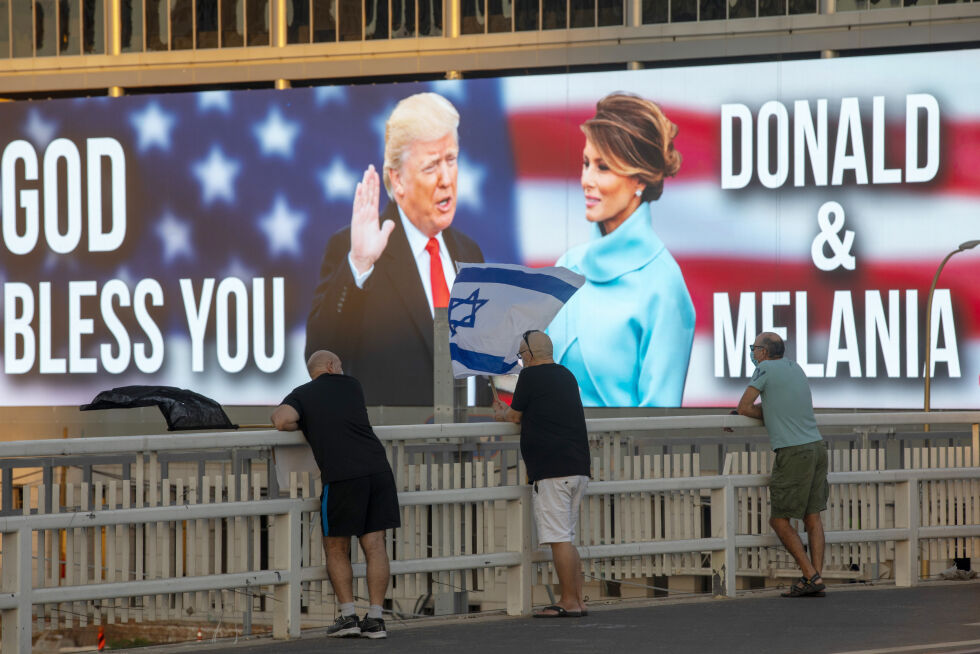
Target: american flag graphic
x=250, y=184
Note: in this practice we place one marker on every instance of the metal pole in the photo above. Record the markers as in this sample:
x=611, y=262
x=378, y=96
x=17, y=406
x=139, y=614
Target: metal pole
x=113, y=23
x=966, y=245
x=455, y=20
x=932, y=290
x=442, y=374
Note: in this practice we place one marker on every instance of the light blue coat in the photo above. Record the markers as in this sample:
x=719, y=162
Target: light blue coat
x=626, y=335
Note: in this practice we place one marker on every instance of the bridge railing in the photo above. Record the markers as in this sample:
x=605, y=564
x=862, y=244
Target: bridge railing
x=636, y=522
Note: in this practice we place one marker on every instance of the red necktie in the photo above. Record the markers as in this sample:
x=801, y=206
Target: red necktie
x=440, y=292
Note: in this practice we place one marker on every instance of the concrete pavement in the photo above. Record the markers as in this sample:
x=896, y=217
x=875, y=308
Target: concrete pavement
x=938, y=617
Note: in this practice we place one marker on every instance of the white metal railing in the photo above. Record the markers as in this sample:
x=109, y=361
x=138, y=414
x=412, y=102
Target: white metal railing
x=286, y=571
x=273, y=438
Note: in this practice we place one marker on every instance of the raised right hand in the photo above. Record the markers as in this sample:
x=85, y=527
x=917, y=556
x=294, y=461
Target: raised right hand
x=368, y=239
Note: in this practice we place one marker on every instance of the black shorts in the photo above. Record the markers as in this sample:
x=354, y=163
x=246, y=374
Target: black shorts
x=354, y=507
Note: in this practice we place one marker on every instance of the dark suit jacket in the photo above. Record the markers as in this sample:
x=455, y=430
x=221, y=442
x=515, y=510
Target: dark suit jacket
x=383, y=332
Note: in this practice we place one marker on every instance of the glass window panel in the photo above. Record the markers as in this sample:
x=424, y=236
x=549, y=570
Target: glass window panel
x=376, y=19
x=157, y=25
x=655, y=11
x=610, y=12
x=712, y=9
x=742, y=9
x=22, y=29
x=131, y=31
x=772, y=7
x=207, y=23
x=324, y=21
x=182, y=24
x=804, y=6
x=851, y=5
x=682, y=11
x=402, y=18
x=4, y=29
x=525, y=15
x=69, y=27
x=583, y=13
x=430, y=17
x=498, y=15
x=93, y=27
x=351, y=20
x=920, y=3
x=232, y=23
x=257, y=22
x=473, y=16
x=45, y=35
x=298, y=21
x=554, y=16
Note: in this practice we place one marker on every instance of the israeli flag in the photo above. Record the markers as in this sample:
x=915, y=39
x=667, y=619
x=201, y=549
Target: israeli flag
x=492, y=305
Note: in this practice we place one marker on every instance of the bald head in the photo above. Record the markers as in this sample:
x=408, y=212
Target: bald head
x=324, y=362
x=536, y=348
x=772, y=343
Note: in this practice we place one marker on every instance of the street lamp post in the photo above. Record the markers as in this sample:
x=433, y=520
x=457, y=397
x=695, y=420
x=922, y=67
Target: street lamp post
x=968, y=245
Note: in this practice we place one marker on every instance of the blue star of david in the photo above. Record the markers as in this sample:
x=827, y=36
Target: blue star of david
x=469, y=321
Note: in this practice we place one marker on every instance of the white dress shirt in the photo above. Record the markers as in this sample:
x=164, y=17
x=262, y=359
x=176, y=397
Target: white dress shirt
x=416, y=242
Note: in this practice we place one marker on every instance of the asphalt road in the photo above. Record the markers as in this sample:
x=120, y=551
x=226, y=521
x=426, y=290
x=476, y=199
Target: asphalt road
x=935, y=618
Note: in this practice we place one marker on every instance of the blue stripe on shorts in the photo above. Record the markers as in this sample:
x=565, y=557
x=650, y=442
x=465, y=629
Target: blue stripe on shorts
x=323, y=511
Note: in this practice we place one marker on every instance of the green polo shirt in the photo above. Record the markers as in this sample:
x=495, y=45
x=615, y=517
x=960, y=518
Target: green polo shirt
x=787, y=406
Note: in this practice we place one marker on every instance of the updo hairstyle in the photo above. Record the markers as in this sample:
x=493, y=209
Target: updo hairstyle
x=635, y=139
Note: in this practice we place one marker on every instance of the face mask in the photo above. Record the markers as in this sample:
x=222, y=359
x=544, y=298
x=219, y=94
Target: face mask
x=755, y=361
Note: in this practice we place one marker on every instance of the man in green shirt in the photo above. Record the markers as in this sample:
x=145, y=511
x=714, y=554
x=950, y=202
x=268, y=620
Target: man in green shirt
x=798, y=485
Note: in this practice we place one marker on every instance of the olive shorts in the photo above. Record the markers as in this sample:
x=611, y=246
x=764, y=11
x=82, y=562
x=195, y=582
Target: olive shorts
x=798, y=485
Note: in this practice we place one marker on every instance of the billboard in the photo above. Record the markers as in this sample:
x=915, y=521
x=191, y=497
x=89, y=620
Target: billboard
x=181, y=239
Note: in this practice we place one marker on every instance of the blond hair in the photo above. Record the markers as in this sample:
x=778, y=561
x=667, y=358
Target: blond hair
x=419, y=117
x=635, y=139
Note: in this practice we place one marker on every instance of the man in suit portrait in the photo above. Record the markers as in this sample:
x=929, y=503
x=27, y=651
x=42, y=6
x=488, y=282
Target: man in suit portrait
x=382, y=277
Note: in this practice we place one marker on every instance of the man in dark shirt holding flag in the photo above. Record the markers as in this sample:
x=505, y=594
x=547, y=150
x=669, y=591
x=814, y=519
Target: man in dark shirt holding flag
x=555, y=448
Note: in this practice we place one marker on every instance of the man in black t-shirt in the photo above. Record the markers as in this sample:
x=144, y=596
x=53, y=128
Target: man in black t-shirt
x=359, y=494
x=555, y=448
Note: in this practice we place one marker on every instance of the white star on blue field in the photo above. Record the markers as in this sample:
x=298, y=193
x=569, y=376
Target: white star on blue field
x=153, y=127
x=176, y=237
x=339, y=181
x=276, y=134
x=217, y=174
x=38, y=130
x=214, y=101
x=327, y=94
x=282, y=226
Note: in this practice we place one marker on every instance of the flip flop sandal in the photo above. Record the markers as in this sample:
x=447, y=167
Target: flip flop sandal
x=559, y=612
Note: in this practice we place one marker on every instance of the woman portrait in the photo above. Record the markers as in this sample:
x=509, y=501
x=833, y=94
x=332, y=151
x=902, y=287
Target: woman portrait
x=627, y=334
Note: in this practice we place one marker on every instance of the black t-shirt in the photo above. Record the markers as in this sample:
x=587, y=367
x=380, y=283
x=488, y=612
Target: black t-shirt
x=334, y=420
x=554, y=439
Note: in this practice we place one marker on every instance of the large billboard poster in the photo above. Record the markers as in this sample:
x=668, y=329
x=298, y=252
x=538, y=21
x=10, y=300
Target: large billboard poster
x=179, y=239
